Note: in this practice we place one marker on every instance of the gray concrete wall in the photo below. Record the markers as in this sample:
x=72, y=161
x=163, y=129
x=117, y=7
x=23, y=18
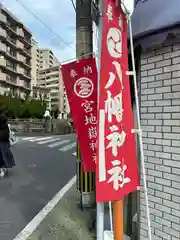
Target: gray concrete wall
x=160, y=118
x=54, y=126
x=27, y=125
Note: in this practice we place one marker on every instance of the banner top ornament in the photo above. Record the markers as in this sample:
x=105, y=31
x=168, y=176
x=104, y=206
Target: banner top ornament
x=127, y=7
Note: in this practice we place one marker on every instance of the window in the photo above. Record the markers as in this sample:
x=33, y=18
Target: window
x=11, y=52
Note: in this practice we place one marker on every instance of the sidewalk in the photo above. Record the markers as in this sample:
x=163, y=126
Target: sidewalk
x=65, y=222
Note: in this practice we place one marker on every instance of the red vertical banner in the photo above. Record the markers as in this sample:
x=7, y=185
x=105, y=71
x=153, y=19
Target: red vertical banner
x=80, y=80
x=117, y=169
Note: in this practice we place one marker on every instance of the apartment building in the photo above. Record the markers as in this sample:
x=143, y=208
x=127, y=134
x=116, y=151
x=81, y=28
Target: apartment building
x=35, y=62
x=38, y=91
x=15, y=55
x=42, y=93
x=52, y=80
x=47, y=59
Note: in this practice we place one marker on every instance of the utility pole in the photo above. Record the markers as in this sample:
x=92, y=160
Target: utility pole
x=84, y=39
x=84, y=49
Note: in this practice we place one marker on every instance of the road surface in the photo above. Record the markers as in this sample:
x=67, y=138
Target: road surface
x=44, y=166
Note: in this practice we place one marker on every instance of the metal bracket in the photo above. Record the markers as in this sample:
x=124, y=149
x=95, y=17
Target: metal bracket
x=137, y=131
x=130, y=73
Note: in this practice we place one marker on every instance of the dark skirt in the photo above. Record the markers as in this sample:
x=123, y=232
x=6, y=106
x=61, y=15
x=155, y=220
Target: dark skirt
x=2, y=164
x=6, y=156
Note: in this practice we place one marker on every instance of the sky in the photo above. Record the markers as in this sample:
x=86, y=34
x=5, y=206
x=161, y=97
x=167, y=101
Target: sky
x=58, y=15
x=129, y=4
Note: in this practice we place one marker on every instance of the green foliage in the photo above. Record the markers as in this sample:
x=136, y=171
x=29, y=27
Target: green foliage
x=14, y=107
x=36, y=108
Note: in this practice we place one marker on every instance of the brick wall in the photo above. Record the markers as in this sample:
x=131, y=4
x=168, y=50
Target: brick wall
x=160, y=119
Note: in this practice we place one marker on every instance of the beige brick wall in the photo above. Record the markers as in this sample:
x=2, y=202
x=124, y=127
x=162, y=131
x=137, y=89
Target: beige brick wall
x=160, y=119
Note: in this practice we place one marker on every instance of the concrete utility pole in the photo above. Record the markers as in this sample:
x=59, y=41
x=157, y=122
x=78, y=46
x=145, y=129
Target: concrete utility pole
x=84, y=48
x=84, y=39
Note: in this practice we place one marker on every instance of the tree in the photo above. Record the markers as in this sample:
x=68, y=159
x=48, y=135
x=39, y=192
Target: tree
x=24, y=113
x=15, y=107
x=3, y=103
x=36, y=108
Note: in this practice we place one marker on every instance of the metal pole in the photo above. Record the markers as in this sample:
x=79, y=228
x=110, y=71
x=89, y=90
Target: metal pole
x=118, y=220
x=100, y=206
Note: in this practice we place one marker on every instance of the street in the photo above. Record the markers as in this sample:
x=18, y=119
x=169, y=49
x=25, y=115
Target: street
x=44, y=166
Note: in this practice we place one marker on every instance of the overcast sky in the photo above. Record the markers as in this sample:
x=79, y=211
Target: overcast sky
x=58, y=15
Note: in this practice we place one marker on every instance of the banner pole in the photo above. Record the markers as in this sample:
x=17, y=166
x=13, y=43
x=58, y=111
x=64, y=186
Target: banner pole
x=99, y=206
x=118, y=220
x=139, y=130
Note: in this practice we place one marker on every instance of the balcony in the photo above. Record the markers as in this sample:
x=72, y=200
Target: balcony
x=2, y=62
x=27, y=41
x=26, y=64
x=27, y=75
x=3, y=33
x=20, y=32
x=2, y=47
x=20, y=45
x=24, y=74
x=23, y=50
x=24, y=61
x=11, y=68
x=25, y=85
x=20, y=57
x=27, y=52
x=10, y=80
x=3, y=18
x=11, y=28
x=11, y=55
x=2, y=77
x=53, y=98
x=11, y=41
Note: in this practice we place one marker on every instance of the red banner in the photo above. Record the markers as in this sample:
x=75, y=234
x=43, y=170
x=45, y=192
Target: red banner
x=117, y=171
x=80, y=80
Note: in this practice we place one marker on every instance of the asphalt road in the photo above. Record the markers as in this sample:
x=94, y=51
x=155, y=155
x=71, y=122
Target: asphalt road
x=40, y=173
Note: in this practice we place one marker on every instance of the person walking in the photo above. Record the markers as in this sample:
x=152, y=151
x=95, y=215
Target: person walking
x=6, y=156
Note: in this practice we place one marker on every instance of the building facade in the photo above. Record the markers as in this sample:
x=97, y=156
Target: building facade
x=35, y=62
x=160, y=118
x=42, y=93
x=42, y=72
x=52, y=80
x=158, y=72
x=15, y=55
x=47, y=58
x=23, y=64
